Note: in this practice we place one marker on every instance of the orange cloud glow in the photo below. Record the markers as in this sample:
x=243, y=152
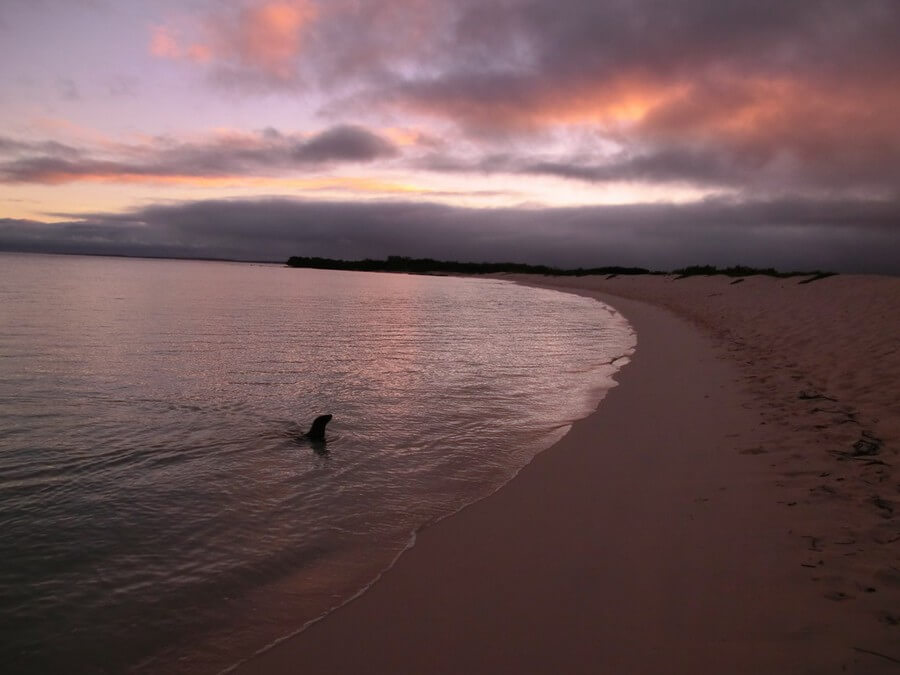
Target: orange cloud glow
x=355, y=184
x=404, y=136
x=269, y=35
x=266, y=36
x=199, y=53
x=622, y=102
x=753, y=116
x=163, y=44
x=777, y=114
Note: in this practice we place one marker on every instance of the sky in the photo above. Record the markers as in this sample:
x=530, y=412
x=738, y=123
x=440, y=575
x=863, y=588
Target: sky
x=563, y=132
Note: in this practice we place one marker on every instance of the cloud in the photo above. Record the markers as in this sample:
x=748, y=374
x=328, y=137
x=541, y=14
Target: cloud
x=261, y=154
x=163, y=43
x=765, y=94
x=843, y=235
x=258, y=40
x=345, y=142
x=266, y=37
x=788, y=107
x=12, y=146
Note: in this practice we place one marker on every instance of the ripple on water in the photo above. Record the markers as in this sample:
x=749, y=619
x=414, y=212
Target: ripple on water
x=154, y=488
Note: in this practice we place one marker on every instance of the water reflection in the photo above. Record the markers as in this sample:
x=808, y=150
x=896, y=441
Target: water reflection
x=151, y=489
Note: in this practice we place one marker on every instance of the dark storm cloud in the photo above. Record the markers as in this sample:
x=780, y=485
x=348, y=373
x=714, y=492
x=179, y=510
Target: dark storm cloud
x=708, y=92
x=522, y=51
x=674, y=165
x=270, y=151
x=711, y=167
x=851, y=236
x=766, y=95
x=685, y=165
x=761, y=97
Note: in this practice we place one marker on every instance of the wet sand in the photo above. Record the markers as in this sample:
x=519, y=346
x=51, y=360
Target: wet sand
x=713, y=514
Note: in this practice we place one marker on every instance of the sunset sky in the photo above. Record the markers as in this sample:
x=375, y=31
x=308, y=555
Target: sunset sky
x=568, y=132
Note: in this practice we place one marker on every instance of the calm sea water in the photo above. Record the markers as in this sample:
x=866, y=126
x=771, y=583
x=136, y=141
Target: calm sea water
x=158, y=510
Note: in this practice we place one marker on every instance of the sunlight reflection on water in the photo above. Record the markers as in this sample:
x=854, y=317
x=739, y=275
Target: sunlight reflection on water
x=152, y=485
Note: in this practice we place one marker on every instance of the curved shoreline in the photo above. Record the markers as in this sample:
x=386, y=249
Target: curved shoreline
x=641, y=542
x=599, y=393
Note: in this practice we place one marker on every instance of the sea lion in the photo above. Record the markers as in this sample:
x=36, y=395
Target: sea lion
x=317, y=430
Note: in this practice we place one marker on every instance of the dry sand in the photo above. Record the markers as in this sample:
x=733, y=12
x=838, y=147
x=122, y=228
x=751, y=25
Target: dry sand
x=715, y=514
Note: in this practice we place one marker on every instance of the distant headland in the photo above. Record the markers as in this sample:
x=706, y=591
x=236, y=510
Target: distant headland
x=403, y=264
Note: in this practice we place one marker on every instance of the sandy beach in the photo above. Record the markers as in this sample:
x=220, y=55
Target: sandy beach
x=730, y=507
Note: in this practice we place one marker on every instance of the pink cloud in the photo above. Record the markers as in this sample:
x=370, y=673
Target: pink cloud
x=268, y=36
x=199, y=53
x=264, y=37
x=163, y=43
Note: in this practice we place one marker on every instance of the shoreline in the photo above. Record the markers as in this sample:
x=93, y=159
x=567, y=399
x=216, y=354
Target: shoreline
x=607, y=554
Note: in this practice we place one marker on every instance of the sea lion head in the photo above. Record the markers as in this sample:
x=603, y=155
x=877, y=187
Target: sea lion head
x=317, y=430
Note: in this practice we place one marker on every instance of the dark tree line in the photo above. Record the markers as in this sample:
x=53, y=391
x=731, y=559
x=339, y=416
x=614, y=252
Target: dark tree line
x=396, y=263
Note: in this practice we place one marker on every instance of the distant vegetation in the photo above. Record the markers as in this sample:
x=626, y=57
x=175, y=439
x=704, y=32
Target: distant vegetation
x=396, y=263
x=743, y=271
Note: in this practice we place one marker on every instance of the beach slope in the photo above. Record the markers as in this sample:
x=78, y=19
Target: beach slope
x=658, y=536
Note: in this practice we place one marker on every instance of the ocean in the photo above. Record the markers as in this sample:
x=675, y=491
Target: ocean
x=160, y=510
